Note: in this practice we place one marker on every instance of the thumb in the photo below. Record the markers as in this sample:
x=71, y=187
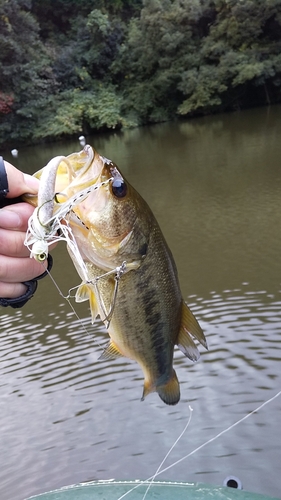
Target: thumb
x=19, y=183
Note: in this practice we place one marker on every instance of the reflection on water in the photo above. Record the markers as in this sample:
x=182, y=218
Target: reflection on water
x=67, y=417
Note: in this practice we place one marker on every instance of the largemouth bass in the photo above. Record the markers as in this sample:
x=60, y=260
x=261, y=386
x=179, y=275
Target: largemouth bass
x=128, y=272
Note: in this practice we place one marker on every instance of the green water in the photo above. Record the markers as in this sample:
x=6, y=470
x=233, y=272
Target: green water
x=214, y=186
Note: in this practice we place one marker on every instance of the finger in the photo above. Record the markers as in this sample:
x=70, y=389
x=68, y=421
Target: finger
x=15, y=270
x=15, y=216
x=11, y=290
x=19, y=183
x=12, y=244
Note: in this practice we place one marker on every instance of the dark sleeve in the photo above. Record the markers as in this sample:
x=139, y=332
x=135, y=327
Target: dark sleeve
x=31, y=289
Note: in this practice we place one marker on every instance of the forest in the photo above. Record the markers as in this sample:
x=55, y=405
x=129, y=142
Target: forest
x=70, y=67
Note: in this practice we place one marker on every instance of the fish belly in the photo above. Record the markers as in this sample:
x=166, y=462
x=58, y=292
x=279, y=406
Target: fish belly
x=147, y=315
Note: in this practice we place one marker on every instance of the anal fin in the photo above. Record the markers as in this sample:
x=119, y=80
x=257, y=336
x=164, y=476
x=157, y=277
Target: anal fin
x=110, y=352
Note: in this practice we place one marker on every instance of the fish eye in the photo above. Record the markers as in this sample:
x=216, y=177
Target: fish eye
x=119, y=187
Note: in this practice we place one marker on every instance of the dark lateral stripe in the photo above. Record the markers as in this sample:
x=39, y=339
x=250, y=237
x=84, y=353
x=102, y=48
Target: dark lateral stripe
x=156, y=329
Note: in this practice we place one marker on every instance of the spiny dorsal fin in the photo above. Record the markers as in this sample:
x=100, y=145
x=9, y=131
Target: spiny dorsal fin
x=191, y=325
x=110, y=352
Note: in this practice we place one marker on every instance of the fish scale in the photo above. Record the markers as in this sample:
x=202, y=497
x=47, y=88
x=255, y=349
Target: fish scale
x=153, y=317
x=127, y=269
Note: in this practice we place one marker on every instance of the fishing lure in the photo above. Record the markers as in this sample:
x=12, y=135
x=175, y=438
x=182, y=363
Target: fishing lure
x=43, y=233
x=50, y=223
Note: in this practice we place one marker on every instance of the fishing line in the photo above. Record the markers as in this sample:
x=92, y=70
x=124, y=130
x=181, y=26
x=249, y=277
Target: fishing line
x=118, y=271
x=44, y=233
x=72, y=308
x=40, y=236
x=151, y=479
x=68, y=236
x=170, y=450
x=158, y=472
x=221, y=433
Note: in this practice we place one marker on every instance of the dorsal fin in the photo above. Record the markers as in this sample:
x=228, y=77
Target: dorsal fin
x=187, y=346
x=191, y=325
x=190, y=328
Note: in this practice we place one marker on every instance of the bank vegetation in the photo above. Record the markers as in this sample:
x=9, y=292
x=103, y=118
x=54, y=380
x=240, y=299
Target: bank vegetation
x=71, y=67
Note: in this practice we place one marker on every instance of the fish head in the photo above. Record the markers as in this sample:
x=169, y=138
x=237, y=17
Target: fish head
x=109, y=219
x=115, y=219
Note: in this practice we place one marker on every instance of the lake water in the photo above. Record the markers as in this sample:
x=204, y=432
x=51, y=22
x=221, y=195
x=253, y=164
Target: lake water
x=214, y=184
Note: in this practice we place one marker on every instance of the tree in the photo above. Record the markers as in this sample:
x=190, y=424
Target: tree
x=161, y=46
x=24, y=71
x=76, y=65
x=241, y=55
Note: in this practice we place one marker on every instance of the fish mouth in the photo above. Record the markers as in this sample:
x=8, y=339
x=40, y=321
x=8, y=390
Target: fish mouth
x=84, y=167
x=78, y=171
x=82, y=159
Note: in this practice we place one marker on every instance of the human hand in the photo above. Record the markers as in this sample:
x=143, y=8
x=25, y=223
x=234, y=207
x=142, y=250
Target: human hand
x=15, y=263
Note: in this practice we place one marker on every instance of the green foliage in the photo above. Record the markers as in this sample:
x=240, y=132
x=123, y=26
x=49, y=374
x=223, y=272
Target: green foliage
x=23, y=56
x=25, y=73
x=72, y=66
x=75, y=111
x=241, y=53
x=154, y=56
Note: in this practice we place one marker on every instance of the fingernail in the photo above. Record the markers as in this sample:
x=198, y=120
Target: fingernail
x=32, y=183
x=9, y=219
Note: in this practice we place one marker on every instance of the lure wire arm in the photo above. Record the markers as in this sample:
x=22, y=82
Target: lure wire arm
x=40, y=235
x=118, y=271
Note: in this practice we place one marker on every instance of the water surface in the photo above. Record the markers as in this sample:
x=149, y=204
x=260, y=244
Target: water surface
x=214, y=186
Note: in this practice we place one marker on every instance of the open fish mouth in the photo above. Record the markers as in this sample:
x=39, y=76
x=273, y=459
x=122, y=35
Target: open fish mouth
x=64, y=183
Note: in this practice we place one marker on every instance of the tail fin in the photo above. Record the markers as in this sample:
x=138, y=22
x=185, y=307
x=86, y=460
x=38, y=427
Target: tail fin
x=170, y=392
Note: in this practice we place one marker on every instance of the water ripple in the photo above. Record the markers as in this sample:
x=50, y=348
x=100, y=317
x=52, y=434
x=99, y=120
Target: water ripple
x=80, y=415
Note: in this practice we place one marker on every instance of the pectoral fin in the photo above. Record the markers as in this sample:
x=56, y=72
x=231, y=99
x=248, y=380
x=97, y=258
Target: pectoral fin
x=110, y=352
x=82, y=293
x=86, y=292
x=190, y=328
